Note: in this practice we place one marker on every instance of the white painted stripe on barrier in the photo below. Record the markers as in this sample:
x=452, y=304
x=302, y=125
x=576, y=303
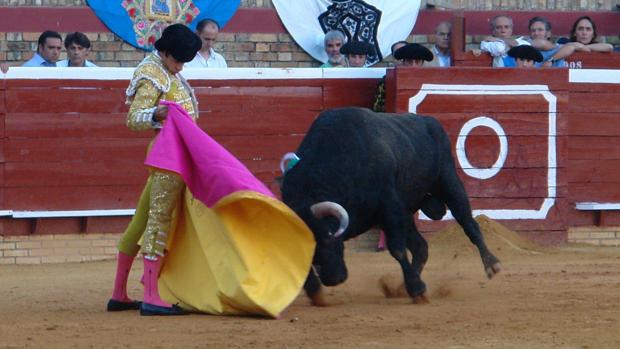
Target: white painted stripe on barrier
x=107, y=73
x=593, y=206
x=594, y=76
x=74, y=213
x=5, y=213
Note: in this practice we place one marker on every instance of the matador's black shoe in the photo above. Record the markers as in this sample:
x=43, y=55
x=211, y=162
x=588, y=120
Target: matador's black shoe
x=114, y=305
x=156, y=310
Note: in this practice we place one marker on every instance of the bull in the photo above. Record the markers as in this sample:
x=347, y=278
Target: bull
x=356, y=169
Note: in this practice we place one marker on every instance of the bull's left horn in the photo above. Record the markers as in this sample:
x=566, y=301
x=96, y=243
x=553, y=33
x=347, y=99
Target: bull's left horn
x=329, y=208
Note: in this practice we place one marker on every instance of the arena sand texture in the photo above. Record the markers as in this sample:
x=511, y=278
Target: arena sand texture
x=566, y=297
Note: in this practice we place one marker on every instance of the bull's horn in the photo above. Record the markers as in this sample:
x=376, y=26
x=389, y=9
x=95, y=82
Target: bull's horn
x=288, y=161
x=328, y=208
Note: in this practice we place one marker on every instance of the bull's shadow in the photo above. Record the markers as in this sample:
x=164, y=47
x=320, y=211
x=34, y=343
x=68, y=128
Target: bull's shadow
x=356, y=169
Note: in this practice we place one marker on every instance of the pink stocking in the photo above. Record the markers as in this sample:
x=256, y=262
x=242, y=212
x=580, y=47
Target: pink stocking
x=123, y=267
x=151, y=276
x=381, y=243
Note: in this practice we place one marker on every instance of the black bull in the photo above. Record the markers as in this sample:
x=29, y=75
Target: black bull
x=359, y=169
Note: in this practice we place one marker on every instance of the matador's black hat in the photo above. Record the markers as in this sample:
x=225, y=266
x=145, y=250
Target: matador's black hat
x=414, y=51
x=526, y=52
x=357, y=48
x=179, y=41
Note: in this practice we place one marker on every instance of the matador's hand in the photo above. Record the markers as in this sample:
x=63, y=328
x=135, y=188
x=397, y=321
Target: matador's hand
x=161, y=113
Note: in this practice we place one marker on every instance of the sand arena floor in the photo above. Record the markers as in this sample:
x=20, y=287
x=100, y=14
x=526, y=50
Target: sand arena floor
x=566, y=297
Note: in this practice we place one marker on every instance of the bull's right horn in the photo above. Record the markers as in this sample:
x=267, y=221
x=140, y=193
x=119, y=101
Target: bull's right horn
x=329, y=208
x=288, y=161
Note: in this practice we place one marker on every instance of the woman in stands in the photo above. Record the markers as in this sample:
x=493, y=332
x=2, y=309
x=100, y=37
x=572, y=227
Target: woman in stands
x=583, y=37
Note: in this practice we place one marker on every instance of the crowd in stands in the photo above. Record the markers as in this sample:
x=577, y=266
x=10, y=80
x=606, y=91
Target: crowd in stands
x=500, y=45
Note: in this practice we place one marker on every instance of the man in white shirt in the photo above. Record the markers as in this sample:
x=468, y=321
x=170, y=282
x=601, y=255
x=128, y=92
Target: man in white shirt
x=207, y=30
x=78, y=47
x=501, y=41
x=441, y=48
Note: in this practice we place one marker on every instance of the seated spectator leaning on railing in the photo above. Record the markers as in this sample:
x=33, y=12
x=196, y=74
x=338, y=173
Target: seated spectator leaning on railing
x=540, y=38
x=498, y=44
x=78, y=47
x=48, y=50
x=583, y=38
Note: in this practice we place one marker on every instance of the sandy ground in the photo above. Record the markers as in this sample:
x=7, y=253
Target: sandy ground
x=566, y=297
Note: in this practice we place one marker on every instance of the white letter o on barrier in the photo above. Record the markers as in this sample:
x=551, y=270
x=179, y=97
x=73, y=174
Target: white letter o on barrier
x=481, y=173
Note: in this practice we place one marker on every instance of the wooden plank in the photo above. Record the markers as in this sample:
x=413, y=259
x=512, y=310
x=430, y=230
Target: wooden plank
x=10, y=226
x=282, y=122
x=251, y=99
x=513, y=183
x=78, y=125
x=576, y=88
x=594, y=170
x=339, y=93
x=513, y=123
x=107, y=224
x=118, y=151
x=73, y=197
x=594, y=191
x=42, y=99
x=593, y=124
x=411, y=78
x=592, y=103
x=80, y=173
x=480, y=104
x=593, y=60
x=593, y=148
x=260, y=147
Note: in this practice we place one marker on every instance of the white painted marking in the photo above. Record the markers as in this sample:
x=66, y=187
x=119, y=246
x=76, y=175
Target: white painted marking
x=594, y=76
x=441, y=89
x=105, y=73
x=595, y=206
x=461, y=154
x=75, y=213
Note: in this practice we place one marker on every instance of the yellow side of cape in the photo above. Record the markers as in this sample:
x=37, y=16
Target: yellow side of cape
x=249, y=255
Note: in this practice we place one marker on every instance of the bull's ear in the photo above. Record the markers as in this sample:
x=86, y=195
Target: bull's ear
x=279, y=180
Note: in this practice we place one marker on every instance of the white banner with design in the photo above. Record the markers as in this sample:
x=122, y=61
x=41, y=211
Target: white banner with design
x=379, y=22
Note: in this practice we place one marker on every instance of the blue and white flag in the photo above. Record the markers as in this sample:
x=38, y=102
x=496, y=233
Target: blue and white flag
x=141, y=22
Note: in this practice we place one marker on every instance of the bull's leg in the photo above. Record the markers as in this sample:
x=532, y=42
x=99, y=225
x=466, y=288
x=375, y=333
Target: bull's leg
x=397, y=226
x=458, y=203
x=313, y=289
x=419, y=249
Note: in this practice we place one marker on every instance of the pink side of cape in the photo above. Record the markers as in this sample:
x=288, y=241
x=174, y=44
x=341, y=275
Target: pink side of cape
x=209, y=170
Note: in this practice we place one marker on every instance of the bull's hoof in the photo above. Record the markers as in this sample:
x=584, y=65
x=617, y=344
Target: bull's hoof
x=421, y=299
x=493, y=269
x=317, y=299
x=392, y=287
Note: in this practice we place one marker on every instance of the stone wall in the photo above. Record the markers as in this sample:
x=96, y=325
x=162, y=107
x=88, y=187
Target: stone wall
x=253, y=49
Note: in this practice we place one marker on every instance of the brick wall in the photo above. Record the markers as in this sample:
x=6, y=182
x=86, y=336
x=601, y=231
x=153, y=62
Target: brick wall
x=251, y=49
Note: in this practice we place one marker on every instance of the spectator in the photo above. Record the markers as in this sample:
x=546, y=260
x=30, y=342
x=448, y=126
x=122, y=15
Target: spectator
x=333, y=41
x=207, y=30
x=413, y=55
x=441, y=48
x=501, y=41
x=395, y=46
x=583, y=37
x=4, y=68
x=525, y=56
x=540, y=38
x=48, y=50
x=356, y=52
x=78, y=47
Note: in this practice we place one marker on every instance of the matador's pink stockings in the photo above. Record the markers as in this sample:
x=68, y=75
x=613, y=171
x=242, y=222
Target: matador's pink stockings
x=123, y=267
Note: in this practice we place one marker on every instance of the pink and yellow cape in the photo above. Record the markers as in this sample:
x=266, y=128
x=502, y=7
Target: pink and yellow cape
x=235, y=249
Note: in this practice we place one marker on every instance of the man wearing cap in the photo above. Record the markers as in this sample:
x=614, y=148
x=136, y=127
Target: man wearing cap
x=156, y=78
x=409, y=55
x=525, y=56
x=413, y=55
x=356, y=52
